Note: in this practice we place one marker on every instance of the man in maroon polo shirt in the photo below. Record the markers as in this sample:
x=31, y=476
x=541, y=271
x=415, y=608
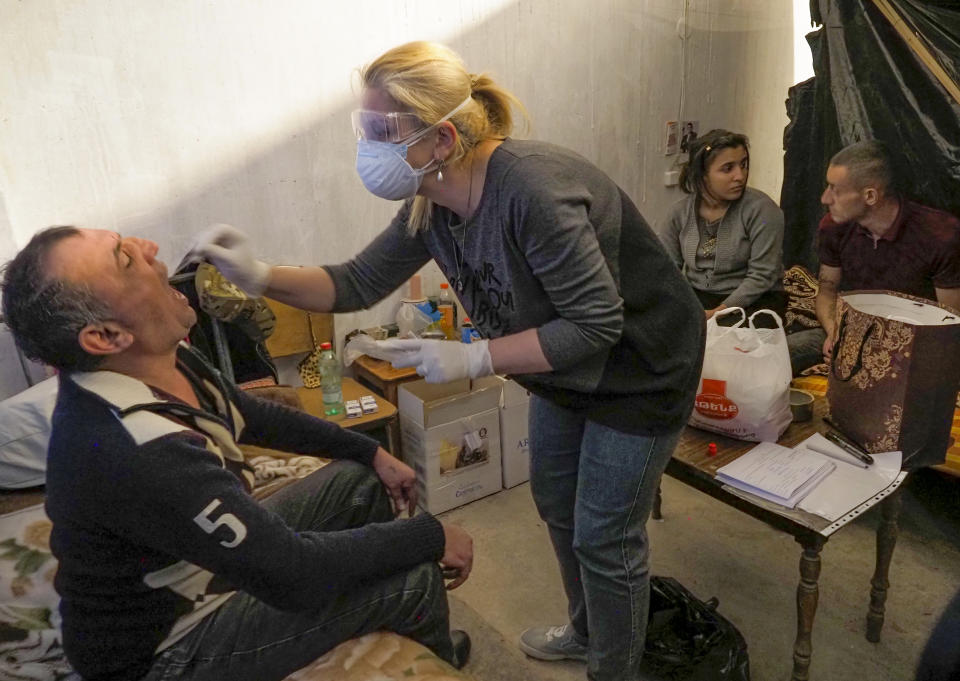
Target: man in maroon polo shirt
x=873, y=238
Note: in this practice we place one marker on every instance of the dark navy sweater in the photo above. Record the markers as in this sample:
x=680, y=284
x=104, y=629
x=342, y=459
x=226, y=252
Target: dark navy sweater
x=154, y=526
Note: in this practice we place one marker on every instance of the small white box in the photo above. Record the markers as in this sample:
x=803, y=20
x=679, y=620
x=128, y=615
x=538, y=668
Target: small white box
x=451, y=437
x=352, y=409
x=514, y=433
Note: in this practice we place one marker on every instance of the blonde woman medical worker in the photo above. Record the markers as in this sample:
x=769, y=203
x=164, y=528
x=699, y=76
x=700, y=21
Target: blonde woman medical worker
x=574, y=296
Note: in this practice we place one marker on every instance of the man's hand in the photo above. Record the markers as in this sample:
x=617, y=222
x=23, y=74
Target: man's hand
x=399, y=479
x=457, y=558
x=828, y=344
x=229, y=250
x=441, y=361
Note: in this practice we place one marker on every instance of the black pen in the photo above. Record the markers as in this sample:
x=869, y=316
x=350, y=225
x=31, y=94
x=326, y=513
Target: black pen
x=847, y=447
x=843, y=436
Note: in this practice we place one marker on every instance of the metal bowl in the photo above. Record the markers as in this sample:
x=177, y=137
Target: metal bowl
x=801, y=404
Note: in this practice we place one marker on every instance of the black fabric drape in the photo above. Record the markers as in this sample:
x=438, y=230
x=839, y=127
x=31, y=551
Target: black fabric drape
x=869, y=84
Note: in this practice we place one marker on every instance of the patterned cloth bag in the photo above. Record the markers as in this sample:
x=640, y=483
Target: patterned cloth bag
x=895, y=373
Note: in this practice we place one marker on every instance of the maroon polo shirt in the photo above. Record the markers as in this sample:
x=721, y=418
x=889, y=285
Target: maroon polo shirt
x=920, y=252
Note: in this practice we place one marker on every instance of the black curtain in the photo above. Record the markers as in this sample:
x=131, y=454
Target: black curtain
x=869, y=84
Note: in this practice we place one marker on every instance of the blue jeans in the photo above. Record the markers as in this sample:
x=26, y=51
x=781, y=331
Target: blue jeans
x=806, y=348
x=594, y=488
x=245, y=639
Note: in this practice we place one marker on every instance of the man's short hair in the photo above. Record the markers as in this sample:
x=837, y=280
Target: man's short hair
x=869, y=164
x=46, y=314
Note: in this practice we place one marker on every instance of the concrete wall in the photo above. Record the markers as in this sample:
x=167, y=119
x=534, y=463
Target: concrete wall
x=158, y=118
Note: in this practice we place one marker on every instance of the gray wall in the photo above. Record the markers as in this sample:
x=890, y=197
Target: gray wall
x=158, y=118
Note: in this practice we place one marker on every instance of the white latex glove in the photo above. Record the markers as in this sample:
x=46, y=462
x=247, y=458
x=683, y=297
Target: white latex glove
x=228, y=249
x=441, y=361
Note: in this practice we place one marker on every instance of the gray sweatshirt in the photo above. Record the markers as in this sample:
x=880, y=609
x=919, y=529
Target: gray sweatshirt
x=555, y=245
x=749, y=255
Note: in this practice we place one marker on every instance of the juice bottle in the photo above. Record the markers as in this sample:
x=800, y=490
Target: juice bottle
x=448, y=308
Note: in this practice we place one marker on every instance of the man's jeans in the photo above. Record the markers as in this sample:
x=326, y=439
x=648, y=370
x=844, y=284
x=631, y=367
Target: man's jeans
x=247, y=639
x=594, y=487
x=806, y=348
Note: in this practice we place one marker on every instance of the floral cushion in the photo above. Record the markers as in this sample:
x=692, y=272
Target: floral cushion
x=30, y=646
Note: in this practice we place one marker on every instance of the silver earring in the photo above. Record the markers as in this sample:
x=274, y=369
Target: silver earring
x=440, y=172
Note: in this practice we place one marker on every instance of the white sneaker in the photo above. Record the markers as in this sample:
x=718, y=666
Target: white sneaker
x=554, y=643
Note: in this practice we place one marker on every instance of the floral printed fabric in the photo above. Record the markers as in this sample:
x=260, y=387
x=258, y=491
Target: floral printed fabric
x=380, y=656
x=30, y=645
x=801, y=287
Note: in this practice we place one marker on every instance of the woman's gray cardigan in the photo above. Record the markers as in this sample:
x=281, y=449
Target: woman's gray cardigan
x=749, y=255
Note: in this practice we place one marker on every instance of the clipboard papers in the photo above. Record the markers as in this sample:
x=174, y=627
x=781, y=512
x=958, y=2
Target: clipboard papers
x=807, y=480
x=778, y=474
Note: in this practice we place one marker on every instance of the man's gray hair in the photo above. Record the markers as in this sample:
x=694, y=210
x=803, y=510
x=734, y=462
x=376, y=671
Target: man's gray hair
x=46, y=314
x=869, y=164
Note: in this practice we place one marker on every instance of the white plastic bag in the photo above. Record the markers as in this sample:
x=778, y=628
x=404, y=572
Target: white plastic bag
x=413, y=319
x=745, y=384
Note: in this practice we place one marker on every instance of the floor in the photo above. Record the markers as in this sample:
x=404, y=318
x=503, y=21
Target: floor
x=717, y=551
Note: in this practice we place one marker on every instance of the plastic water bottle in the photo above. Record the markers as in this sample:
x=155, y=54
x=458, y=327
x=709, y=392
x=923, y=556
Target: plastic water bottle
x=330, y=375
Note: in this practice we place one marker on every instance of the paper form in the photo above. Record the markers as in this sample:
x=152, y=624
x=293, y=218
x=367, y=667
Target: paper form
x=777, y=473
x=849, y=485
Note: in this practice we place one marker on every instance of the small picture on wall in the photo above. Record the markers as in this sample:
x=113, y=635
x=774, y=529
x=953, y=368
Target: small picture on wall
x=688, y=132
x=672, y=138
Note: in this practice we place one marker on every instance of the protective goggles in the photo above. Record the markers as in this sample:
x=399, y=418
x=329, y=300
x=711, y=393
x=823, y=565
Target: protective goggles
x=376, y=126
x=393, y=127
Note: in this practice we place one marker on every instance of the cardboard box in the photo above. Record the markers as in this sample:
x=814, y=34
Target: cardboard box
x=451, y=437
x=514, y=433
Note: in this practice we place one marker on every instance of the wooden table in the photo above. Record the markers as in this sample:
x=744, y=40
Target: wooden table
x=384, y=417
x=381, y=376
x=384, y=379
x=692, y=465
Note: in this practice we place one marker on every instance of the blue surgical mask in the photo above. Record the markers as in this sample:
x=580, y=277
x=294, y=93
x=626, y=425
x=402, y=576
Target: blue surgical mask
x=385, y=172
x=383, y=166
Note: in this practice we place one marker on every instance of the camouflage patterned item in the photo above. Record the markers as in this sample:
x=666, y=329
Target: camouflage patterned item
x=223, y=300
